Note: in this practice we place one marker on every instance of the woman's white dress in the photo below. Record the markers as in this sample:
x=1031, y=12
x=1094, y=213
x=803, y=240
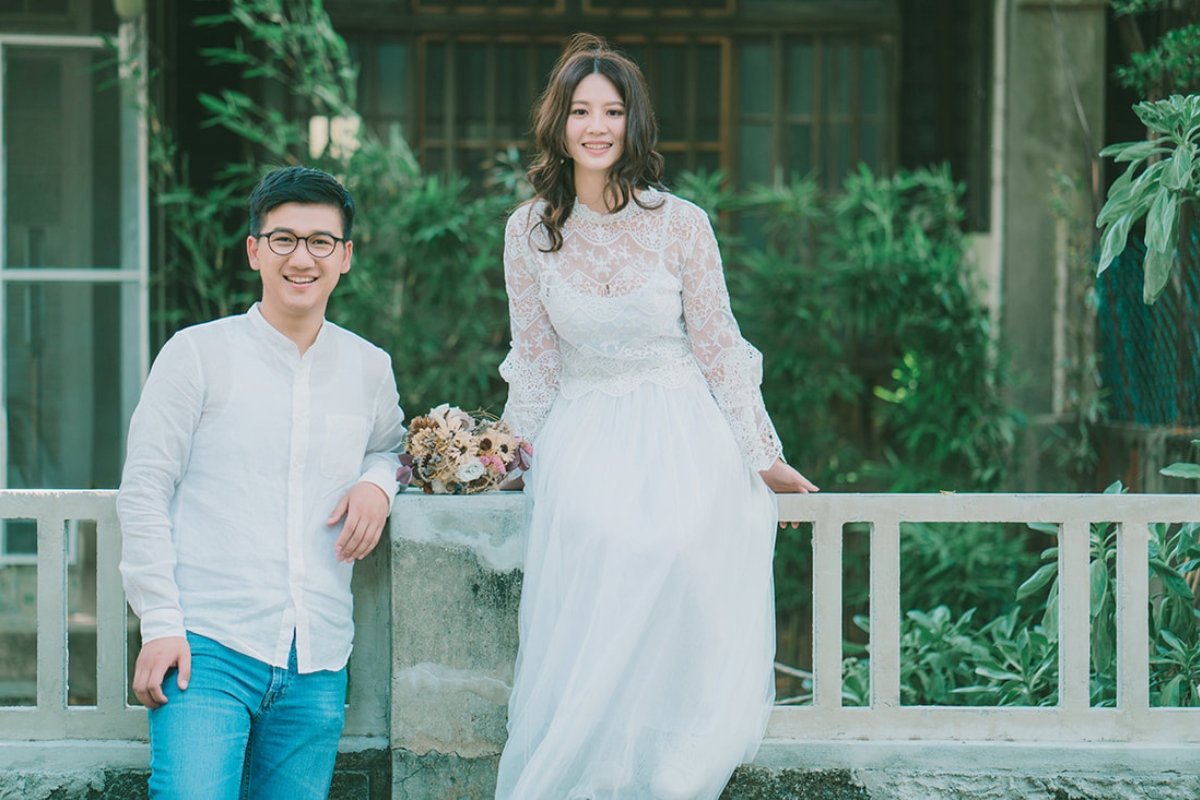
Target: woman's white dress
x=647, y=613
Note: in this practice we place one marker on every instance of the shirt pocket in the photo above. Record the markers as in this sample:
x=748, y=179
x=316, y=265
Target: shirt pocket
x=344, y=446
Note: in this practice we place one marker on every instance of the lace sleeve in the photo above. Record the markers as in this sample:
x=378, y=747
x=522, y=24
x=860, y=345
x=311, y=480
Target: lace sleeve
x=533, y=363
x=732, y=366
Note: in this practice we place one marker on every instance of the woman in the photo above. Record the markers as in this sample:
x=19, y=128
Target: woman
x=646, y=621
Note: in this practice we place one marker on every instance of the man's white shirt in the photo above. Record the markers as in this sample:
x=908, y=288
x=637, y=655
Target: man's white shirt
x=238, y=452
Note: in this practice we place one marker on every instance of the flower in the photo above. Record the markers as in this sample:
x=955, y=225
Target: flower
x=470, y=471
x=404, y=475
x=524, y=456
x=494, y=462
x=449, y=451
x=453, y=417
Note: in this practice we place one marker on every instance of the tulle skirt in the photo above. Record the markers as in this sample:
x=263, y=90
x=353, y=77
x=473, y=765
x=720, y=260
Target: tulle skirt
x=647, y=612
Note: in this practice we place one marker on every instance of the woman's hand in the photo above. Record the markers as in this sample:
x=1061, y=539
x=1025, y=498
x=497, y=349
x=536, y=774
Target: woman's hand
x=782, y=479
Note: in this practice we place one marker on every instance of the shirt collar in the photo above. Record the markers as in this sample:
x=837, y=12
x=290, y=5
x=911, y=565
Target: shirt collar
x=275, y=337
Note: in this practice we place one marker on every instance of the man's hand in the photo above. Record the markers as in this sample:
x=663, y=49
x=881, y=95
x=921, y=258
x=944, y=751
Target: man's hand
x=155, y=658
x=365, y=509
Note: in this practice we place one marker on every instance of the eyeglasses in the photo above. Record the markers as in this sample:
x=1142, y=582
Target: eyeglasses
x=284, y=243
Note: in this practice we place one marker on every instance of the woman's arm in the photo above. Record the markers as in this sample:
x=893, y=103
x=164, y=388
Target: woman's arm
x=534, y=363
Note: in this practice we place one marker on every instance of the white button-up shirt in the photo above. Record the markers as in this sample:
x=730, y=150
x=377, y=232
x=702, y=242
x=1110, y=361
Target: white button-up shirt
x=239, y=449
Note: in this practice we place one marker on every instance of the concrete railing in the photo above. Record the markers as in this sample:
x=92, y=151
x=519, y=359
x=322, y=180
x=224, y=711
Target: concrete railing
x=1072, y=719
x=53, y=717
x=436, y=638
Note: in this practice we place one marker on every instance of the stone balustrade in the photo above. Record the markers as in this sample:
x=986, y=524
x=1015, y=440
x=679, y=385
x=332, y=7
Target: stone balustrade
x=436, y=638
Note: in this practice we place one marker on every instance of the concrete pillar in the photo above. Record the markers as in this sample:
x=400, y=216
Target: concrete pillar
x=456, y=584
x=1053, y=100
x=1050, y=63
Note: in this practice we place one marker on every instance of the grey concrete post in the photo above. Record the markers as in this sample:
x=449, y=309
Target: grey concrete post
x=456, y=584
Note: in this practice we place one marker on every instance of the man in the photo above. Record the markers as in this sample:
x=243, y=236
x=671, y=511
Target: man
x=260, y=467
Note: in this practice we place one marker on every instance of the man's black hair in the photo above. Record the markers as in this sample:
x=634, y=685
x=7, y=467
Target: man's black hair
x=303, y=185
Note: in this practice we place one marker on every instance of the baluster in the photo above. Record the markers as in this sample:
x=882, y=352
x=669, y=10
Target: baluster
x=1074, y=615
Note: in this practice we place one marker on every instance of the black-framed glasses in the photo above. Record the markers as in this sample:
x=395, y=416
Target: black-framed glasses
x=284, y=243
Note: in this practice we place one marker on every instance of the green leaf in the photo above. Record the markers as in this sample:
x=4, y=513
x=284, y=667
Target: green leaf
x=1172, y=581
x=1174, y=641
x=1043, y=527
x=1119, y=198
x=1103, y=647
x=1037, y=580
x=1129, y=151
x=1050, y=617
x=1162, y=221
x=1178, y=174
x=1157, y=268
x=1182, y=469
x=1098, y=575
x=1173, y=692
x=1153, y=115
x=1113, y=243
x=1151, y=176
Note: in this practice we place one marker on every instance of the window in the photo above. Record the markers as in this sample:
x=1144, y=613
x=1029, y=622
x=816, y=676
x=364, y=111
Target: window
x=689, y=95
x=944, y=113
x=385, y=84
x=760, y=107
x=485, y=6
x=811, y=105
x=475, y=98
x=58, y=16
x=475, y=95
x=44, y=8
x=666, y=7
x=73, y=318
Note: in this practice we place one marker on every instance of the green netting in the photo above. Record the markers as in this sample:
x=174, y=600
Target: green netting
x=1150, y=355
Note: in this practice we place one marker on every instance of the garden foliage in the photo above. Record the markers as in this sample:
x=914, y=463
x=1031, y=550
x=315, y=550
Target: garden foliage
x=881, y=368
x=1012, y=659
x=1160, y=39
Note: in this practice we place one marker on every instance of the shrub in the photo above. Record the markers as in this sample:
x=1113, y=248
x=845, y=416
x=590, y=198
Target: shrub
x=426, y=282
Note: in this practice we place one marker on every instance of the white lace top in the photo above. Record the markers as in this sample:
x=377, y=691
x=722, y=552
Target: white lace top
x=634, y=296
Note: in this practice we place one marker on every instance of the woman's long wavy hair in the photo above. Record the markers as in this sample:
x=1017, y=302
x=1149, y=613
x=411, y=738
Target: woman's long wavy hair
x=553, y=172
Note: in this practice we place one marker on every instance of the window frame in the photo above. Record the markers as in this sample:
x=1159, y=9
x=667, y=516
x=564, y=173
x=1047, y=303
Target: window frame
x=820, y=117
x=867, y=24
x=448, y=143
x=690, y=145
x=481, y=7
x=133, y=272
x=651, y=9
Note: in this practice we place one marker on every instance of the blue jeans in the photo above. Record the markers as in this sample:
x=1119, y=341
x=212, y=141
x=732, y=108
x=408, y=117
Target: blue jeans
x=245, y=729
